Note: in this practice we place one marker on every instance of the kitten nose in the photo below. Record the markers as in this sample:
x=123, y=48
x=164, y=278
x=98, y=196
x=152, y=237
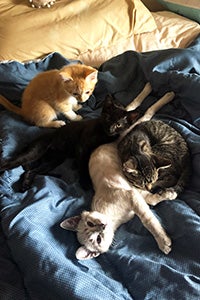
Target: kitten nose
x=148, y=186
x=83, y=98
x=102, y=226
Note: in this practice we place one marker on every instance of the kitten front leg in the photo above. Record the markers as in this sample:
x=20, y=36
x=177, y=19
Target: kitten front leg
x=72, y=116
x=168, y=97
x=165, y=180
x=67, y=110
x=77, y=107
x=166, y=194
x=53, y=124
x=140, y=98
x=149, y=220
x=151, y=111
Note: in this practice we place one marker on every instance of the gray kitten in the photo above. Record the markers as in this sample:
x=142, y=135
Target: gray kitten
x=155, y=157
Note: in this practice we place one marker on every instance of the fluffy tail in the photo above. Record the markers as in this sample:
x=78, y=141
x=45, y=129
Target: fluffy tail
x=8, y=105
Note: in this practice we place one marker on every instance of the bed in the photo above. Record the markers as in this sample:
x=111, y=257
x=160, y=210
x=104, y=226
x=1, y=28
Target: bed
x=37, y=257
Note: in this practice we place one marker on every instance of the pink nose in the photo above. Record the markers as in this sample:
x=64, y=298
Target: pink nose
x=103, y=226
x=148, y=186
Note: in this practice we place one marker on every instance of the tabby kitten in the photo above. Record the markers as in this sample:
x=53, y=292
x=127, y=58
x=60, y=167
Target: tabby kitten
x=155, y=157
x=53, y=92
x=115, y=202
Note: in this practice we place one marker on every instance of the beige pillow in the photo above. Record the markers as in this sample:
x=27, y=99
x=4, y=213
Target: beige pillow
x=173, y=31
x=73, y=28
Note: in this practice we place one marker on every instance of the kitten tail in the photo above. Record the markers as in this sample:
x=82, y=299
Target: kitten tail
x=8, y=105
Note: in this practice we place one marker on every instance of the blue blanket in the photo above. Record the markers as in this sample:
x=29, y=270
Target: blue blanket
x=37, y=257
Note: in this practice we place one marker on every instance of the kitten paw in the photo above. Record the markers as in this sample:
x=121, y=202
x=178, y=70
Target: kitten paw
x=165, y=244
x=78, y=118
x=169, y=194
x=77, y=107
x=56, y=124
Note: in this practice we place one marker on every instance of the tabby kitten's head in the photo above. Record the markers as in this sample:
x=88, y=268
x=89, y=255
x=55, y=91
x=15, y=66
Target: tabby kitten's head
x=79, y=80
x=143, y=170
x=93, y=232
x=115, y=118
x=140, y=171
x=140, y=165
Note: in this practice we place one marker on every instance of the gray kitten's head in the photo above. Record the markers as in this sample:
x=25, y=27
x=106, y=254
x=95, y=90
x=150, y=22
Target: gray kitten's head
x=143, y=171
x=140, y=171
x=94, y=233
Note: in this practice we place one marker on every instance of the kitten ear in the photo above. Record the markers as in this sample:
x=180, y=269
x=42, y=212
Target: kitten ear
x=109, y=99
x=71, y=223
x=133, y=116
x=82, y=253
x=144, y=146
x=130, y=166
x=108, y=103
x=65, y=76
x=92, y=76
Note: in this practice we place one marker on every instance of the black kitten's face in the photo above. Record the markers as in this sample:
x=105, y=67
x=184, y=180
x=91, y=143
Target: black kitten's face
x=113, y=126
x=115, y=118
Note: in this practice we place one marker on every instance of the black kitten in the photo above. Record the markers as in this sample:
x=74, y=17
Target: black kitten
x=74, y=140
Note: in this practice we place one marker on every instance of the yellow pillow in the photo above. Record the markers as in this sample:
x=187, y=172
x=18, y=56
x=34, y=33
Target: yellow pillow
x=73, y=28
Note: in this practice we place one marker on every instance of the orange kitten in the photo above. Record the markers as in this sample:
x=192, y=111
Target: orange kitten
x=53, y=92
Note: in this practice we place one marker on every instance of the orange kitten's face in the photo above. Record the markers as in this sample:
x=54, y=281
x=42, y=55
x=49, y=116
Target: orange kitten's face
x=80, y=89
x=79, y=81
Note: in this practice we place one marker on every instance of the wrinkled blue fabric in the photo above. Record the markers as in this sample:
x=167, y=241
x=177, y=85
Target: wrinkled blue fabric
x=37, y=257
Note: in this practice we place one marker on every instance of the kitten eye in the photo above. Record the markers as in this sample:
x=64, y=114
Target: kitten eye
x=87, y=92
x=98, y=239
x=90, y=224
x=75, y=94
x=118, y=125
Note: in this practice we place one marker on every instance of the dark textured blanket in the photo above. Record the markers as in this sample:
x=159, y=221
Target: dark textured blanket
x=37, y=257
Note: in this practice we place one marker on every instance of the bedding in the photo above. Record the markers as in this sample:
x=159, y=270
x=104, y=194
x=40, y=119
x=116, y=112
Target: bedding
x=189, y=9
x=37, y=257
x=91, y=31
